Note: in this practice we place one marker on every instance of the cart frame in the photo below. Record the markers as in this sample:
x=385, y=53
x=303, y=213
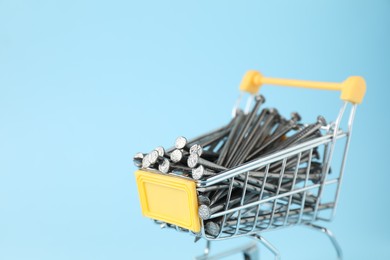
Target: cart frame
x=245, y=219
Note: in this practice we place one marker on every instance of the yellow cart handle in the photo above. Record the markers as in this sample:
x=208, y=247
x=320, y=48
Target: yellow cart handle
x=352, y=89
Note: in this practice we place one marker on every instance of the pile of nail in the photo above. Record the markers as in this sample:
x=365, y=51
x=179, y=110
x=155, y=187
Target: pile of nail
x=247, y=137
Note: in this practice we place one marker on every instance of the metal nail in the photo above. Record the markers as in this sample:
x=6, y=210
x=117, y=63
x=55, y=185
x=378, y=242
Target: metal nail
x=310, y=129
x=290, y=124
x=195, y=160
x=181, y=143
x=153, y=157
x=212, y=188
x=203, y=200
x=212, y=228
x=238, y=119
x=137, y=159
x=259, y=100
x=259, y=133
x=145, y=161
x=178, y=156
x=161, y=151
x=199, y=172
x=165, y=166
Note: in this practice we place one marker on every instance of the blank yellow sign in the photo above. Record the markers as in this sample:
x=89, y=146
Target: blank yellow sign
x=169, y=199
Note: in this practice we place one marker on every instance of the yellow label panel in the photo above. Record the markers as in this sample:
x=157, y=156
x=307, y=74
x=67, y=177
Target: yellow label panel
x=169, y=199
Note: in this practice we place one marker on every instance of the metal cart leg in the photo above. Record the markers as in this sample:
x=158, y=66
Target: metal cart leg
x=207, y=249
x=206, y=252
x=268, y=245
x=330, y=236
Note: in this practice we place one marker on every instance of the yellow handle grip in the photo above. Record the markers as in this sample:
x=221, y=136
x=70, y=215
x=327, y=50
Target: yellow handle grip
x=352, y=89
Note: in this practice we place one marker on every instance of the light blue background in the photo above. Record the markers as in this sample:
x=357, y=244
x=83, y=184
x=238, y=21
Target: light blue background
x=84, y=85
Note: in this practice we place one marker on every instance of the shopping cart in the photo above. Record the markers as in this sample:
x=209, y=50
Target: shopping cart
x=173, y=201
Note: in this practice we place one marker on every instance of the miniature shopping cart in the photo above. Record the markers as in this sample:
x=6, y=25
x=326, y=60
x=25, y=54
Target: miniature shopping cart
x=173, y=201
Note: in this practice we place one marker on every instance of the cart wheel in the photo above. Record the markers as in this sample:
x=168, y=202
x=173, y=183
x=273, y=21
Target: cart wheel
x=252, y=253
x=249, y=251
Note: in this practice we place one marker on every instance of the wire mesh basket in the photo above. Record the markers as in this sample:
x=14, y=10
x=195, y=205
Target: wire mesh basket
x=262, y=194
